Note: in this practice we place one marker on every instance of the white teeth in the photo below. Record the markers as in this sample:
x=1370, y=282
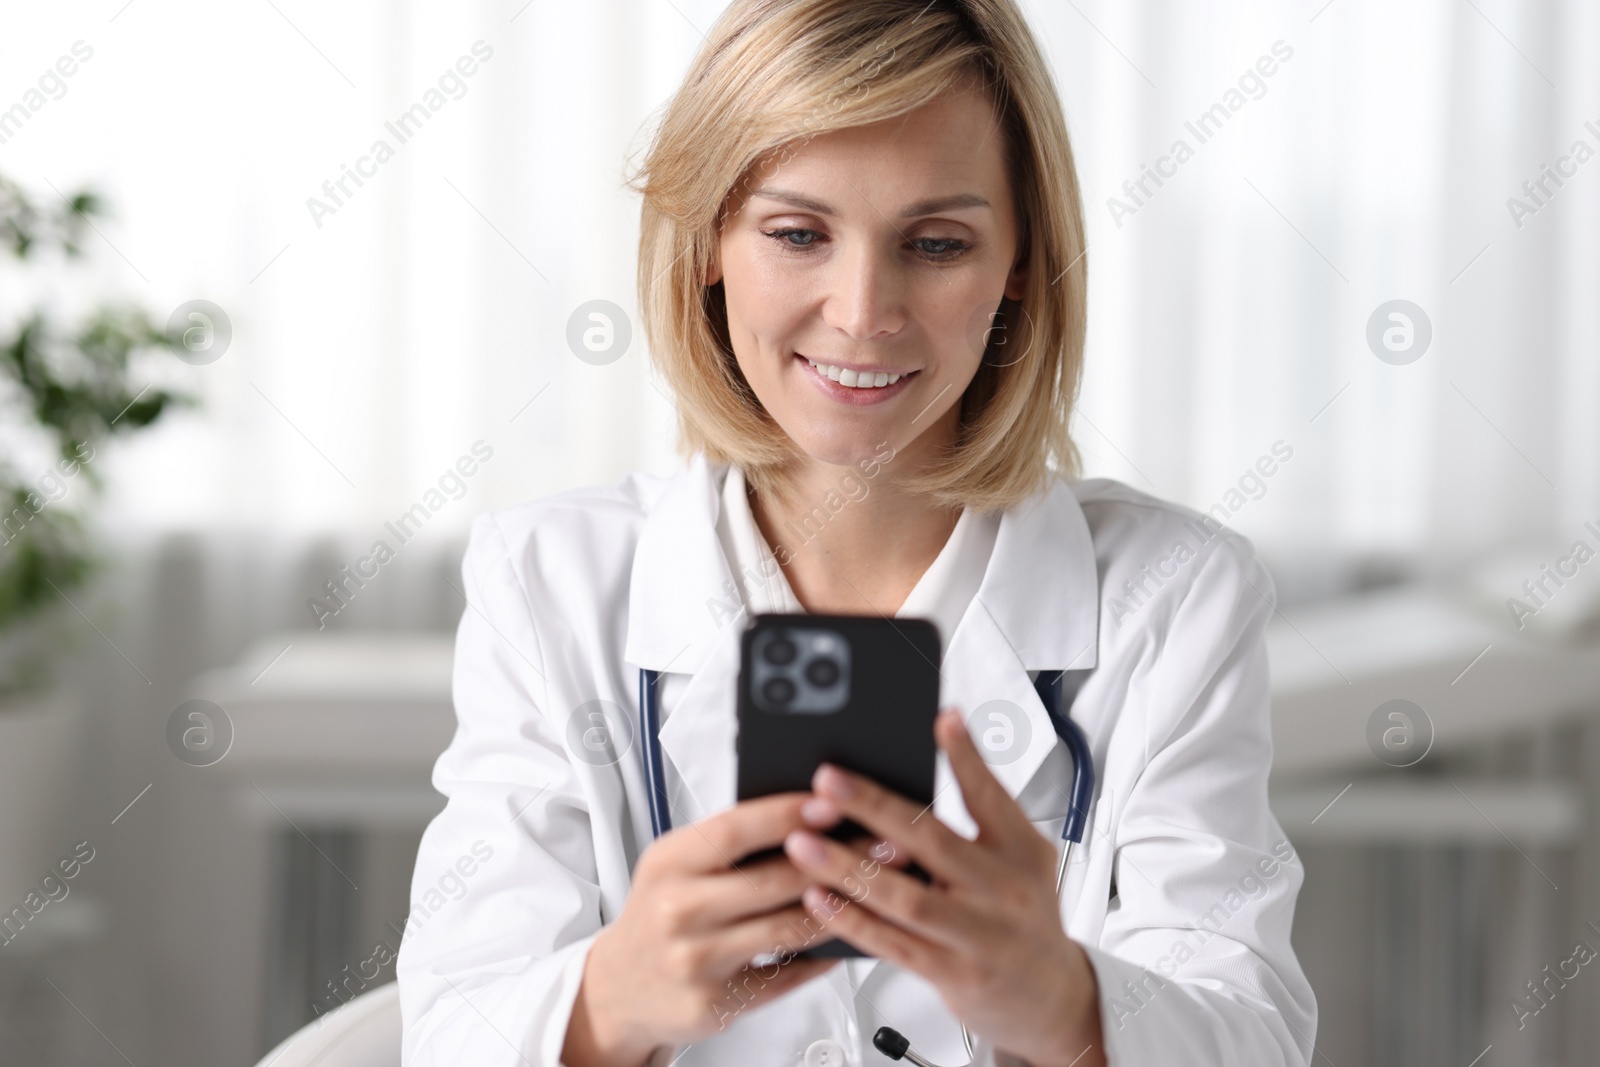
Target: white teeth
x=845, y=376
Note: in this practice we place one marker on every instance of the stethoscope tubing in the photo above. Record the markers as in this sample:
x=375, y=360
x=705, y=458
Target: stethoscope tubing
x=650, y=738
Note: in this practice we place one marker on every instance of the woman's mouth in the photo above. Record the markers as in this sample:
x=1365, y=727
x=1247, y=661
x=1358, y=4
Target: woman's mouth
x=852, y=386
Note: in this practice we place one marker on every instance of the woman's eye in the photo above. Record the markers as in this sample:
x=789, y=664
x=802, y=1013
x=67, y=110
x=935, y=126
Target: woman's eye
x=948, y=248
x=783, y=237
x=935, y=248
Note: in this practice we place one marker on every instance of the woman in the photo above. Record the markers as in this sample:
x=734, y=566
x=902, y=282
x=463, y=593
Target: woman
x=862, y=272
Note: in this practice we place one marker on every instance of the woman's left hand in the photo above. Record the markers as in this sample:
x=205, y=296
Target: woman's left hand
x=986, y=932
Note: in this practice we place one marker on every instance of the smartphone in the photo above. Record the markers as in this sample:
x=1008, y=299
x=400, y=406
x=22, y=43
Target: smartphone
x=858, y=691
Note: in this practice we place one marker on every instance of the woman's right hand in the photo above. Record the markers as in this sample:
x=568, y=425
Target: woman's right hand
x=660, y=974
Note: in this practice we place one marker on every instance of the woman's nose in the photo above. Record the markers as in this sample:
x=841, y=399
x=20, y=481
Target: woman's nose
x=866, y=301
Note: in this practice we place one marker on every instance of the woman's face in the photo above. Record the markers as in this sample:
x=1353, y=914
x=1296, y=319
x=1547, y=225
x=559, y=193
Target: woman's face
x=871, y=252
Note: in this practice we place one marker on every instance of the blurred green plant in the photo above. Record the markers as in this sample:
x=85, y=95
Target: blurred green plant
x=69, y=386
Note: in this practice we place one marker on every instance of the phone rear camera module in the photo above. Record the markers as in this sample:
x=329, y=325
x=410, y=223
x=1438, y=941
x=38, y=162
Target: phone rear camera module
x=779, y=690
x=822, y=672
x=800, y=670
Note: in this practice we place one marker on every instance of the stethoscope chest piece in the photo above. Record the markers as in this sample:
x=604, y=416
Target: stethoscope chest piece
x=893, y=1044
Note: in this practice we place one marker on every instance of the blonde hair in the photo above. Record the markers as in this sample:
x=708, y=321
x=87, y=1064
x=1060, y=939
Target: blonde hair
x=771, y=75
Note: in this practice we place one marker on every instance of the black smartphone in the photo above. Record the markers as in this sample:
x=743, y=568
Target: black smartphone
x=858, y=691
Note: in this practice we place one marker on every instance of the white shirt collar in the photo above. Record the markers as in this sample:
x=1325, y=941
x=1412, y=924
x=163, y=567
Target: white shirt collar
x=942, y=594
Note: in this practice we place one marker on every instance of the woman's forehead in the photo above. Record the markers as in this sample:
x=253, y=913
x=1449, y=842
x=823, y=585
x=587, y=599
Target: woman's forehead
x=947, y=154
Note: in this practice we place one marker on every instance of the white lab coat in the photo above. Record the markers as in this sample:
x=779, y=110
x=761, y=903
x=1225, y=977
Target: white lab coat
x=569, y=596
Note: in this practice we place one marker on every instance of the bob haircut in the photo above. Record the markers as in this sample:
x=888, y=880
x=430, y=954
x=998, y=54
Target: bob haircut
x=772, y=75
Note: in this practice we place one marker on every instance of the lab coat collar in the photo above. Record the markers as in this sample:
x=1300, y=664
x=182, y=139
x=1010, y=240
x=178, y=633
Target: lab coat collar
x=1037, y=608
x=681, y=598
x=684, y=603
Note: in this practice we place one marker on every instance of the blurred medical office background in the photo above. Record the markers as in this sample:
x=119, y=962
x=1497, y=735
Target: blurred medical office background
x=1354, y=317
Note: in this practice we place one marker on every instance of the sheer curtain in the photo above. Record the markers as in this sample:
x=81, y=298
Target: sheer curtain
x=1373, y=164
x=374, y=343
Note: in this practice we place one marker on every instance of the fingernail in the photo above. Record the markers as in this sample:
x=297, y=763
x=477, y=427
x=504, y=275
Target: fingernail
x=804, y=847
x=818, y=899
x=818, y=811
x=833, y=782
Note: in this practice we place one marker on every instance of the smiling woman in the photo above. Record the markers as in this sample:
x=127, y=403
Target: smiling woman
x=936, y=155
x=885, y=244
x=861, y=249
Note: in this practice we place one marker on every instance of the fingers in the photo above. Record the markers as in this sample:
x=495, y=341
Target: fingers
x=749, y=890
x=949, y=857
x=753, y=889
x=820, y=813
x=911, y=827
x=785, y=933
x=716, y=843
x=711, y=890
x=883, y=853
x=890, y=893
x=866, y=930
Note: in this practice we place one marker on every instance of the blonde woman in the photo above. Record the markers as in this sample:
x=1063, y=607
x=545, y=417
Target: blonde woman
x=862, y=272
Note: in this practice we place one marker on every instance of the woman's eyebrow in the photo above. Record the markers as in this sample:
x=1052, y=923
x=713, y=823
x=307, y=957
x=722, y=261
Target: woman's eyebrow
x=930, y=206
x=934, y=205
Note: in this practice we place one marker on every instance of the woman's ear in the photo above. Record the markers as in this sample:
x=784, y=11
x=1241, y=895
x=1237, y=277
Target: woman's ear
x=1017, y=280
x=714, y=270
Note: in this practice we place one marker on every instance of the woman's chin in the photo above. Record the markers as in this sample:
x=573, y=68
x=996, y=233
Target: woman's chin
x=851, y=449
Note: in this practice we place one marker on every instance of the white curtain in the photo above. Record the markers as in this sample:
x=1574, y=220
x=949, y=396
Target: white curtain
x=1373, y=164
x=374, y=345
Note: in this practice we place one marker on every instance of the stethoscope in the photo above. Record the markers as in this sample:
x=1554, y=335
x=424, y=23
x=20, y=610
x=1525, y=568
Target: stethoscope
x=888, y=1040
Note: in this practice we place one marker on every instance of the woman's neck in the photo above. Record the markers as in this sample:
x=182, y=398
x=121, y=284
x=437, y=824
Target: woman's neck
x=865, y=557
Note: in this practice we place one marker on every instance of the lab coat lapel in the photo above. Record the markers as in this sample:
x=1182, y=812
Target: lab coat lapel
x=699, y=736
x=988, y=681
x=685, y=616
x=1042, y=585
x=1036, y=609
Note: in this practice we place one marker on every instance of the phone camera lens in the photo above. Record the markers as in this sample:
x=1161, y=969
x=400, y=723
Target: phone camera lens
x=781, y=650
x=778, y=690
x=822, y=672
